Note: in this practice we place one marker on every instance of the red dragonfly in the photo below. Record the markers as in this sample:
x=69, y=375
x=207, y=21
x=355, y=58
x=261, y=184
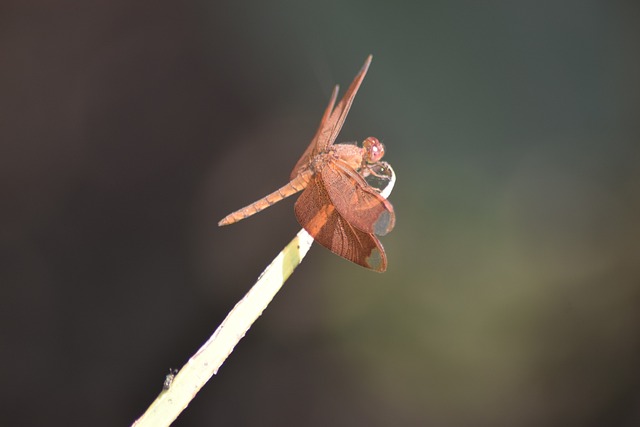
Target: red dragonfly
x=338, y=207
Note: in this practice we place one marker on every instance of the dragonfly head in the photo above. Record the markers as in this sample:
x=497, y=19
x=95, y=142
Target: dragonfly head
x=373, y=150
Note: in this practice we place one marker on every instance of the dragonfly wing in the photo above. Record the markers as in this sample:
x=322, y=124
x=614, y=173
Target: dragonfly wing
x=339, y=114
x=356, y=201
x=311, y=149
x=323, y=222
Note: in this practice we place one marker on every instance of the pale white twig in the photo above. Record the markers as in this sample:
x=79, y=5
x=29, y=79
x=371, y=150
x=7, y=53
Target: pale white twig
x=208, y=359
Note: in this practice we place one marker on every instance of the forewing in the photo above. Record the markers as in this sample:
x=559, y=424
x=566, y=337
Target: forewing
x=356, y=201
x=311, y=149
x=339, y=114
x=319, y=217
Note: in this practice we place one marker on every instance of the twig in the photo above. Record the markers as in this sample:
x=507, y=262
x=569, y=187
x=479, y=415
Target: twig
x=206, y=362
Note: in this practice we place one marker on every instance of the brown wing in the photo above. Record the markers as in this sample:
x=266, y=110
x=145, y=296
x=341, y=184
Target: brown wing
x=304, y=160
x=359, y=204
x=320, y=218
x=332, y=120
x=339, y=114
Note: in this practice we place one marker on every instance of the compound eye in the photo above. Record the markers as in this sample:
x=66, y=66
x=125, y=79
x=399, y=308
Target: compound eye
x=374, y=150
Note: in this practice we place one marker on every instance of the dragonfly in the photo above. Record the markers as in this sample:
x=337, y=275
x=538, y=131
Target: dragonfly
x=339, y=206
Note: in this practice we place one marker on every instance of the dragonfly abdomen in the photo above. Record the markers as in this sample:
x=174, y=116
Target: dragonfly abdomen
x=297, y=184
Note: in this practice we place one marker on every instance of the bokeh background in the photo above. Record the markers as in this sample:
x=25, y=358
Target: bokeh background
x=128, y=129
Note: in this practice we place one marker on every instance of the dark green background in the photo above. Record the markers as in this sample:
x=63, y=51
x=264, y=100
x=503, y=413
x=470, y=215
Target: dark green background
x=128, y=129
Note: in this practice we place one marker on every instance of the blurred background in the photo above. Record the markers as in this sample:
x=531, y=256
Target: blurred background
x=128, y=129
